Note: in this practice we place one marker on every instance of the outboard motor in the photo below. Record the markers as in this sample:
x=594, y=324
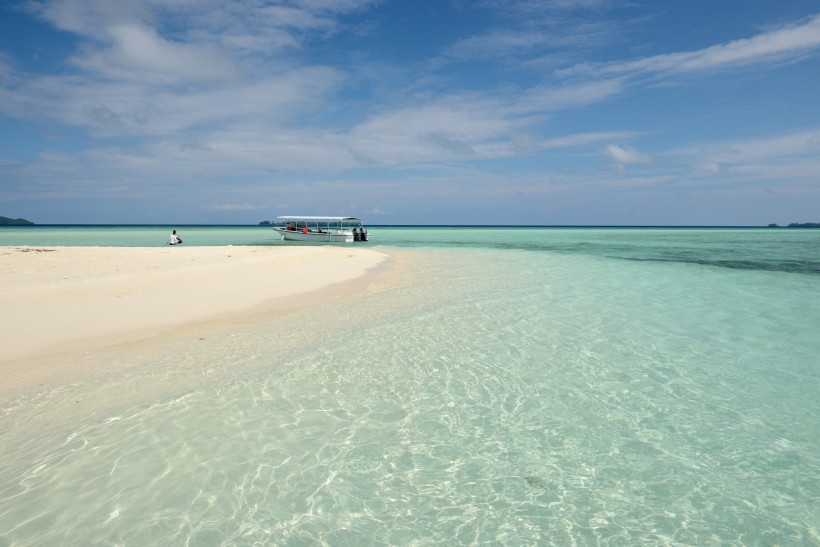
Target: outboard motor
x=363, y=234
x=356, y=235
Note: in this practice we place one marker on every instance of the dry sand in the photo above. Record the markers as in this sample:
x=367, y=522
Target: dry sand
x=65, y=299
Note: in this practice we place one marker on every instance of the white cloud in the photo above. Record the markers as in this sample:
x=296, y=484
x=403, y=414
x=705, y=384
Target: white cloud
x=470, y=126
x=432, y=131
x=187, y=39
x=139, y=53
x=141, y=108
x=156, y=67
x=90, y=18
x=625, y=155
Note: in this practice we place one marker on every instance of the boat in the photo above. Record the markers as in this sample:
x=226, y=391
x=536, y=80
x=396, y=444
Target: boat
x=321, y=229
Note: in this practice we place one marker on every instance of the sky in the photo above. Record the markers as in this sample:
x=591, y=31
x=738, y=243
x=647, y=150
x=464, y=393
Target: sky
x=540, y=112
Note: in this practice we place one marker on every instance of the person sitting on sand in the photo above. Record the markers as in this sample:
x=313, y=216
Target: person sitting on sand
x=174, y=239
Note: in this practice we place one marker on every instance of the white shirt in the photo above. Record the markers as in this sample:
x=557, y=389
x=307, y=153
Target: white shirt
x=172, y=239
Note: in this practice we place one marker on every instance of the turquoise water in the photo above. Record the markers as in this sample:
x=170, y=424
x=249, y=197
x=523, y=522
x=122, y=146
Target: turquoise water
x=512, y=387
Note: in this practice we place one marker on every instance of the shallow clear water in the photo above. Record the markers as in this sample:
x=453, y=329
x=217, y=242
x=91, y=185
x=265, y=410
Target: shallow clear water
x=570, y=386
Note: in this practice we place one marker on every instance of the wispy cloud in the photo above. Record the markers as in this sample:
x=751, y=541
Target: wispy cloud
x=496, y=44
x=775, y=46
x=791, y=145
x=583, y=139
x=789, y=162
x=93, y=18
x=528, y=32
x=234, y=207
x=531, y=8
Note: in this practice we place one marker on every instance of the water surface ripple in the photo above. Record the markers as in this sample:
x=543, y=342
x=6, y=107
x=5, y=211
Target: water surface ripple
x=483, y=394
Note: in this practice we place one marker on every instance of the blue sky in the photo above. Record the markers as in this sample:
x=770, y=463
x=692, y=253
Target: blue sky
x=627, y=112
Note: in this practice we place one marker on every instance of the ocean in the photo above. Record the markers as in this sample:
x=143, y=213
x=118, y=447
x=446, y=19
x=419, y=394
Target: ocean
x=515, y=386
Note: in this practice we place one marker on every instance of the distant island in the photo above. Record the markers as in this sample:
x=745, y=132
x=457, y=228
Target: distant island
x=798, y=225
x=5, y=221
x=265, y=223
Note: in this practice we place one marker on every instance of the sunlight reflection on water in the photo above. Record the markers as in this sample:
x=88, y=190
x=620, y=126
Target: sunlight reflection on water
x=478, y=395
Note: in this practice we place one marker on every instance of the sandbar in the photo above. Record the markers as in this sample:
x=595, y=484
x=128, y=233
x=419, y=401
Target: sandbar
x=70, y=299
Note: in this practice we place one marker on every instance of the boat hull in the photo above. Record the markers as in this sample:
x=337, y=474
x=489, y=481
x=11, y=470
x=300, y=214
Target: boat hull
x=319, y=237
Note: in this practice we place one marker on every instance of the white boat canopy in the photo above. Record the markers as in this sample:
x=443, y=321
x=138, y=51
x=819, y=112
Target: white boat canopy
x=304, y=217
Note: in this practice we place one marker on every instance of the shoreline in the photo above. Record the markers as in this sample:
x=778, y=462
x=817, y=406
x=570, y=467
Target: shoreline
x=66, y=300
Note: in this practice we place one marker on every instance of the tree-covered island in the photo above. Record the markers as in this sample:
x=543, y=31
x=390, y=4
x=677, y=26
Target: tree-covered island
x=5, y=221
x=798, y=225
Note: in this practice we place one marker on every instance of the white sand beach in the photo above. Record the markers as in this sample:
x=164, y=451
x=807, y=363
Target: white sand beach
x=70, y=299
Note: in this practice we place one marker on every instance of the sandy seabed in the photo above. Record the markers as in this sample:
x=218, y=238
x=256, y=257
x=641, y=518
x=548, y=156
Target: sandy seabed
x=57, y=300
